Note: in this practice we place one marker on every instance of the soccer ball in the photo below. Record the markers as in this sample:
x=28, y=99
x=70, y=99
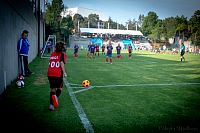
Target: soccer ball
x=20, y=83
x=20, y=77
x=86, y=83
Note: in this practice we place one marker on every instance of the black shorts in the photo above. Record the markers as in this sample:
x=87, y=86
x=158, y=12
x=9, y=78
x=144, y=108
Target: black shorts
x=129, y=52
x=182, y=53
x=55, y=82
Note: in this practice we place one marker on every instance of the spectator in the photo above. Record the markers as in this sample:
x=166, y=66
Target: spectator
x=23, y=49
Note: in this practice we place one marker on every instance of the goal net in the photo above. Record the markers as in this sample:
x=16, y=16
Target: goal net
x=48, y=47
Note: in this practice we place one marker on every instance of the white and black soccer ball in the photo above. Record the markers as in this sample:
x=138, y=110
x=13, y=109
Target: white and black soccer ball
x=20, y=83
x=20, y=77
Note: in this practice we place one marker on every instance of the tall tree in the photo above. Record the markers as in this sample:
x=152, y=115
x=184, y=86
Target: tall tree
x=149, y=22
x=157, y=32
x=131, y=24
x=53, y=17
x=169, y=25
x=67, y=27
x=77, y=20
x=84, y=23
x=140, y=21
x=93, y=20
x=182, y=26
x=194, y=27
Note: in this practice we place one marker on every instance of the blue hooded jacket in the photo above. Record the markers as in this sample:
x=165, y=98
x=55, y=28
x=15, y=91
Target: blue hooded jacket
x=23, y=46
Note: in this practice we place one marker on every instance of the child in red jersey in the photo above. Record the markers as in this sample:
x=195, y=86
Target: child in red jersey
x=97, y=50
x=55, y=73
x=103, y=49
x=130, y=49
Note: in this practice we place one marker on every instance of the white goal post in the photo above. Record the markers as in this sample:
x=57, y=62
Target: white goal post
x=48, y=47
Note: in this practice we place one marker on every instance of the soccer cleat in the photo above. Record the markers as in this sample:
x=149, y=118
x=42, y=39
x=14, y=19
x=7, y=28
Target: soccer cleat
x=51, y=107
x=55, y=101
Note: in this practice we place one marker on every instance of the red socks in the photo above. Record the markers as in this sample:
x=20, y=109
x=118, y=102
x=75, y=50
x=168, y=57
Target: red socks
x=106, y=59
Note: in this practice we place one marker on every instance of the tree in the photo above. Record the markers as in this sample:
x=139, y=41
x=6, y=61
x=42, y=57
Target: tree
x=67, y=27
x=194, y=27
x=53, y=17
x=93, y=20
x=84, y=23
x=140, y=21
x=149, y=22
x=182, y=26
x=131, y=24
x=109, y=22
x=157, y=32
x=113, y=25
x=77, y=19
x=49, y=20
x=169, y=25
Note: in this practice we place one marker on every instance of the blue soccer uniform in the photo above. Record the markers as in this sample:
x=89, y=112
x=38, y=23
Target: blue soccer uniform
x=118, y=48
x=109, y=53
x=92, y=50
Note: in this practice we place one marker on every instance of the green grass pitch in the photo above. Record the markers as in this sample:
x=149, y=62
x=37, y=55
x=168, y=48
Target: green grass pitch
x=148, y=93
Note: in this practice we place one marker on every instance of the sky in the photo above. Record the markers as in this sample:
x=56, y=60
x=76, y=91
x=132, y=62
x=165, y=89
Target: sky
x=123, y=10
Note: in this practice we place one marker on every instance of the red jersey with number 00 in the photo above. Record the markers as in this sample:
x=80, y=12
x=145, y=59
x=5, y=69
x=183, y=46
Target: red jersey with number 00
x=54, y=69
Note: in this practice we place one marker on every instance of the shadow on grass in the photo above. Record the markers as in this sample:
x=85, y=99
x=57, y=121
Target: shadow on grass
x=15, y=119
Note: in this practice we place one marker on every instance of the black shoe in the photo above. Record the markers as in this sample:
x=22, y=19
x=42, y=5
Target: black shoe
x=26, y=75
x=29, y=73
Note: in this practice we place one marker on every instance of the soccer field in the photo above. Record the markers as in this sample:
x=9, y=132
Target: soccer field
x=148, y=93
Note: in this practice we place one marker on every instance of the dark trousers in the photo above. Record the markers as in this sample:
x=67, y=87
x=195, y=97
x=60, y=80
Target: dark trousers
x=24, y=65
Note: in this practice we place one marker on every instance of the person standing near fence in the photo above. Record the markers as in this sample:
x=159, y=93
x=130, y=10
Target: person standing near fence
x=23, y=49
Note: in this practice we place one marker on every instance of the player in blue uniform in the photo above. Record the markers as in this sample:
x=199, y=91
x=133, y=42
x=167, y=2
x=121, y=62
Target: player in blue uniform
x=92, y=51
x=89, y=46
x=76, y=47
x=182, y=52
x=118, y=49
x=109, y=52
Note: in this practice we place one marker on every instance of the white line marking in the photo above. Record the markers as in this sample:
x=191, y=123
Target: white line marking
x=85, y=121
x=45, y=57
x=165, y=84
x=75, y=84
x=77, y=87
x=85, y=89
x=113, y=86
